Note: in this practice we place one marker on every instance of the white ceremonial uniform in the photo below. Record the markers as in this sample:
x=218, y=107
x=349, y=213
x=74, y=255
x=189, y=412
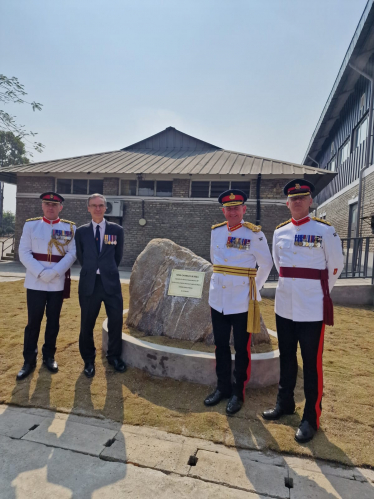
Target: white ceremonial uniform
x=297, y=299
x=229, y=294
x=35, y=238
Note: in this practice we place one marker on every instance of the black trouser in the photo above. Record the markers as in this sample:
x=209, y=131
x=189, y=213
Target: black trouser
x=242, y=343
x=310, y=336
x=90, y=308
x=37, y=302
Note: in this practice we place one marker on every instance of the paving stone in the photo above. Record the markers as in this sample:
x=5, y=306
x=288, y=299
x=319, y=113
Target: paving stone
x=70, y=435
x=145, y=451
x=63, y=474
x=242, y=473
x=313, y=485
x=16, y=424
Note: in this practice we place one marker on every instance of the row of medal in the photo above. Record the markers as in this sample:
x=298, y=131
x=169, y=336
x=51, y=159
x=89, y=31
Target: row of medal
x=108, y=239
x=301, y=240
x=63, y=235
x=237, y=242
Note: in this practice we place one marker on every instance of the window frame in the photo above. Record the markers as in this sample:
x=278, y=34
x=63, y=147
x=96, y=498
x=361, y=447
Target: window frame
x=356, y=129
x=348, y=142
x=210, y=186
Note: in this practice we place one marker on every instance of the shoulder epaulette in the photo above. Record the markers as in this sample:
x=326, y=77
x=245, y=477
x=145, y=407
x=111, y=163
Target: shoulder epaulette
x=67, y=221
x=253, y=227
x=32, y=219
x=320, y=220
x=218, y=225
x=284, y=223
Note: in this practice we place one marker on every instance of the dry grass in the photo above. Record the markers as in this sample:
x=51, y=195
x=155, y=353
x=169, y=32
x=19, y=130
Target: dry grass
x=347, y=426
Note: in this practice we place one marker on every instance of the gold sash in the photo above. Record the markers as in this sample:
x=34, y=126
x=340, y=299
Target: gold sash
x=253, y=323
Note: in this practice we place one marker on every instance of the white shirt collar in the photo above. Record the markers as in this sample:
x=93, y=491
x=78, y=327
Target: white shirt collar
x=101, y=224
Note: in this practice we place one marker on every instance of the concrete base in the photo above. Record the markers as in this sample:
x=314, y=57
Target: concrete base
x=190, y=365
x=346, y=292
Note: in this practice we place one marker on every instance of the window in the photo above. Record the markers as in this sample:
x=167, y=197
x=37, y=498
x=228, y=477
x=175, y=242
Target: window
x=362, y=102
x=146, y=188
x=331, y=165
x=63, y=186
x=243, y=186
x=95, y=186
x=128, y=187
x=164, y=188
x=360, y=133
x=79, y=186
x=199, y=189
x=217, y=187
x=344, y=152
x=213, y=189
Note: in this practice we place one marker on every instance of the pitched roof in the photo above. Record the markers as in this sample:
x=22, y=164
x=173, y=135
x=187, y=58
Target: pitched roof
x=174, y=153
x=360, y=50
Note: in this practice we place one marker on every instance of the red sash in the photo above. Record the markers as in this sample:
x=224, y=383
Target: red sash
x=320, y=275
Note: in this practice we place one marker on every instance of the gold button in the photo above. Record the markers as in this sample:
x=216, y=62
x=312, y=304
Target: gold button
x=223, y=286
x=293, y=278
x=224, y=273
x=217, y=246
x=225, y=259
x=280, y=247
x=294, y=252
x=293, y=265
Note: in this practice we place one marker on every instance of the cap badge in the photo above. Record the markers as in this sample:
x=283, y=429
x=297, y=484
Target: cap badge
x=232, y=196
x=51, y=196
x=297, y=186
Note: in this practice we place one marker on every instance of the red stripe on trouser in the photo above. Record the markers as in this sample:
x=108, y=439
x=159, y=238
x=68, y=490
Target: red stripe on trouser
x=249, y=364
x=320, y=376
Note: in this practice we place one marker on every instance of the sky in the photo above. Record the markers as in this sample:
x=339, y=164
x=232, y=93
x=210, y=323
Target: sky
x=246, y=75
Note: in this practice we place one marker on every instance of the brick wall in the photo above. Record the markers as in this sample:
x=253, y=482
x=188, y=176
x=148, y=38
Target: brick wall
x=186, y=223
x=337, y=210
x=270, y=189
x=111, y=186
x=35, y=184
x=181, y=188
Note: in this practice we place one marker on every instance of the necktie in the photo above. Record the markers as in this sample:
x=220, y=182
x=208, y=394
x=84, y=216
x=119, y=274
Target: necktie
x=97, y=239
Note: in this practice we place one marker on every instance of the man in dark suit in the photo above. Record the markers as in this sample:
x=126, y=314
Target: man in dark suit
x=99, y=250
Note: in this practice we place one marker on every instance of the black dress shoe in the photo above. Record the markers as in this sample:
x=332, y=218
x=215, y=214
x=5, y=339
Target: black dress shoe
x=276, y=413
x=89, y=369
x=118, y=365
x=215, y=397
x=50, y=364
x=305, y=433
x=234, y=405
x=26, y=369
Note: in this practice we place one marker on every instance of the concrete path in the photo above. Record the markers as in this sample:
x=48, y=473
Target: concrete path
x=46, y=454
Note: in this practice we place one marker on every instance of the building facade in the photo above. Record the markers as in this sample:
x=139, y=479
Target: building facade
x=342, y=141
x=165, y=186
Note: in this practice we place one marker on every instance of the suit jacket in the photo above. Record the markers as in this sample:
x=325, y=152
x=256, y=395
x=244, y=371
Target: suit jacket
x=107, y=261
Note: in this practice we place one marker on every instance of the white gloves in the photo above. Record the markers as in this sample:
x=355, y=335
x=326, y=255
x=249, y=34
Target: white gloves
x=47, y=275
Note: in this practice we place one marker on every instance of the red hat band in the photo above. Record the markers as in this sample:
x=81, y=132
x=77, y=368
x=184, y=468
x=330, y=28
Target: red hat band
x=51, y=198
x=235, y=199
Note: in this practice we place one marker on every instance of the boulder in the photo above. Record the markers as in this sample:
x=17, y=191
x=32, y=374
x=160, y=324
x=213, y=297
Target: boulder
x=154, y=312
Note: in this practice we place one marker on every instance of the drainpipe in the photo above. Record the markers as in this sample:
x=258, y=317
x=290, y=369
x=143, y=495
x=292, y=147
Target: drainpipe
x=368, y=147
x=258, y=186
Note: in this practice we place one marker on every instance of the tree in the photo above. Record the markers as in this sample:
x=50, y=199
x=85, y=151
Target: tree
x=12, y=91
x=12, y=150
x=8, y=223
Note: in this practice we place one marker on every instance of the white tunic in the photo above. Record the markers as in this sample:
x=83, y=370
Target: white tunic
x=228, y=293
x=301, y=300
x=35, y=238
